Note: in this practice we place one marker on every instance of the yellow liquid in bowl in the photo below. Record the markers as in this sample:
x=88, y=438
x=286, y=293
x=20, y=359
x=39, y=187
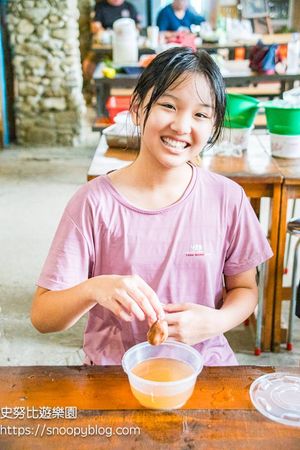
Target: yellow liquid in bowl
x=163, y=369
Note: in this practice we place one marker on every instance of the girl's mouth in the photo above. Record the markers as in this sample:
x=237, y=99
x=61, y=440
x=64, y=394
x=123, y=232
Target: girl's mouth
x=174, y=144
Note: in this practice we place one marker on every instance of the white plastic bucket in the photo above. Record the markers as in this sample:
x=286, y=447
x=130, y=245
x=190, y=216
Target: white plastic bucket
x=285, y=146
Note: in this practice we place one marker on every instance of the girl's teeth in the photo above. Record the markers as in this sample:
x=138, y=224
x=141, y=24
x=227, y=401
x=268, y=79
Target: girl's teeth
x=173, y=143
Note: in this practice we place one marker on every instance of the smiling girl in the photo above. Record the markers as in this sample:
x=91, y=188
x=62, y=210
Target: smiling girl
x=161, y=237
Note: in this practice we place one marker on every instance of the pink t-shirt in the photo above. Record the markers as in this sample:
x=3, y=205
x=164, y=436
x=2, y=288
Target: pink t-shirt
x=181, y=251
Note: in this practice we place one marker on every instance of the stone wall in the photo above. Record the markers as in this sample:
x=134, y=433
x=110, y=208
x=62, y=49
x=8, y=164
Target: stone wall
x=48, y=78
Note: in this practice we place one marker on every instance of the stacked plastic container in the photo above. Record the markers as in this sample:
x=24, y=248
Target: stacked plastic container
x=239, y=119
x=283, y=123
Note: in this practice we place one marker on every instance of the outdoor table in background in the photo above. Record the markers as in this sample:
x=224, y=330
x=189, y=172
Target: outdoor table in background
x=101, y=50
x=236, y=74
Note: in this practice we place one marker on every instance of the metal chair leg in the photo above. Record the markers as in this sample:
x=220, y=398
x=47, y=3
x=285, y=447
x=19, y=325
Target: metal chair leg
x=260, y=304
x=288, y=242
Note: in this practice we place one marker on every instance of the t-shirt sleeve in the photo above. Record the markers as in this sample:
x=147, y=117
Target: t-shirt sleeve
x=70, y=259
x=196, y=19
x=248, y=245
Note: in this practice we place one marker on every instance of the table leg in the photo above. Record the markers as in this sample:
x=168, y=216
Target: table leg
x=271, y=268
x=286, y=85
x=102, y=94
x=276, y=338
x=98, y=101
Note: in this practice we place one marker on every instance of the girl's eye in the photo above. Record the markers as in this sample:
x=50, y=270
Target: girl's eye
x=167, y=105
x=202, y=116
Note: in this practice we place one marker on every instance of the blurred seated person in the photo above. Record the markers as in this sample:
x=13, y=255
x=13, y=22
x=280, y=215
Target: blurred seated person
x=108, y=11
x=177, y=16
x=105, y=14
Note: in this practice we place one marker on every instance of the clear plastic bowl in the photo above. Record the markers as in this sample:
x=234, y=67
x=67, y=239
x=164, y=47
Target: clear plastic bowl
x=237, y=136
x=162, y=394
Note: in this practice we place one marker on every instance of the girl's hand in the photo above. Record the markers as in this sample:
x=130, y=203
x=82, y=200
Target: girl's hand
x=190, y=323
x=127, y=296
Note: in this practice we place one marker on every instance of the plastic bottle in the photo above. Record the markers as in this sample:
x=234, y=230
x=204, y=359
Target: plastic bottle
x=293, y=54
x=125, y=42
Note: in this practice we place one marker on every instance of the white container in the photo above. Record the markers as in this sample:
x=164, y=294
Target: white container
x=238, y=137
x=125, y=42
x=123, y=133
x=292, y=97
x=293, y=54
x=153, y=36
x=284, y=146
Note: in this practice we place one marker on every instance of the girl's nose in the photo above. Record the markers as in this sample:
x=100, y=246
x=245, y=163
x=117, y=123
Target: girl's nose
x=181, y=124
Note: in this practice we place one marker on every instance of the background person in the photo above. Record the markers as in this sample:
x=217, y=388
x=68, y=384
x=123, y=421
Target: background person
x=108, y=11
x=177, y=16
x=105, y=14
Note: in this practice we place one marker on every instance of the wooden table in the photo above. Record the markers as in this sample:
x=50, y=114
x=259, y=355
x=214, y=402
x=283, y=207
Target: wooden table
x=101, y=50
x=219, y=415
x=258, y=174
x=236, y=73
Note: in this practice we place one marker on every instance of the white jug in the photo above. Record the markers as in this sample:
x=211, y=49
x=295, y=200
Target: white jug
x=125, y=42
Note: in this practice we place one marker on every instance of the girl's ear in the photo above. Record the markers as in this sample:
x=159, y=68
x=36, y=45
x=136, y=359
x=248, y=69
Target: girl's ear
x=135, y=116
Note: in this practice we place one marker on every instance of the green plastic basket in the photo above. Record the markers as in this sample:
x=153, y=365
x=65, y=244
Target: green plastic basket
x=280, y=120
x=240, y=111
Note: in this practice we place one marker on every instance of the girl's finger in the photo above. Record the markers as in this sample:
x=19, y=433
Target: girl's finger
x=173, y=318
x=172, y=338
x=130, y=305
x=143, y=302
x=123, y=315
x=153, y=298
x=174, y=334
x=116, y=308
x=175, y=307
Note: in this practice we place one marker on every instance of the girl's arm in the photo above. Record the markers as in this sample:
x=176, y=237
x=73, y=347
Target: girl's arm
x=126, y=296
x=59, y=310
x=241, y=299
x=192, y=323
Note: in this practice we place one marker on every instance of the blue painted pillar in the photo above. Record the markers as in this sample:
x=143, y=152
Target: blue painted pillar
x=6, y=78
x=3, y=96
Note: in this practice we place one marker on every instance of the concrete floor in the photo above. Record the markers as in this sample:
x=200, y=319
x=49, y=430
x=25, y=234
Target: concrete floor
x=35, y=185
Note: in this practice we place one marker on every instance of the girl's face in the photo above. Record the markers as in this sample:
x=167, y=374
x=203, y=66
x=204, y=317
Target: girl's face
x=180, y=122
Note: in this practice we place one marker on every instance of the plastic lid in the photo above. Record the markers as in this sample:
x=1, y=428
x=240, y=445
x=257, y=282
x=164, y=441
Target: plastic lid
x=277, y=396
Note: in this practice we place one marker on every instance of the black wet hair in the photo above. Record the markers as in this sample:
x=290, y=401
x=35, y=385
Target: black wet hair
x=167, y=67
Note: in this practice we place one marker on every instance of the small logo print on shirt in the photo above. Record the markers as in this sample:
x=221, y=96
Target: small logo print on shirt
x=195, y=250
